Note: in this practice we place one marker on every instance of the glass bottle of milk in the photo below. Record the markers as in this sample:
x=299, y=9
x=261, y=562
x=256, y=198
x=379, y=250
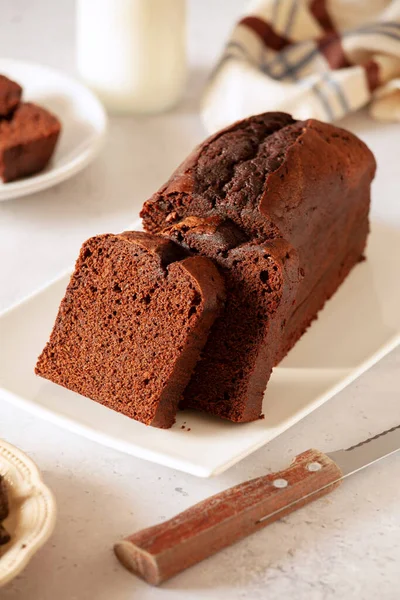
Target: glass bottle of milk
x=132, y=53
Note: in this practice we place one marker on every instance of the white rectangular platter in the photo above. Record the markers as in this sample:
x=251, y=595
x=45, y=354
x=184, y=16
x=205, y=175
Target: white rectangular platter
x=358, y=326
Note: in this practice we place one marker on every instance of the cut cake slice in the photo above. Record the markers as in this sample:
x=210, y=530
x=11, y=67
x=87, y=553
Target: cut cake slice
x=132, y=324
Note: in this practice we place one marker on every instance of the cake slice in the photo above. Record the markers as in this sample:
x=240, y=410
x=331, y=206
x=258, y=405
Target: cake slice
x=27, y=141
x=10, y=95
x=132, y=324
x=262, y=281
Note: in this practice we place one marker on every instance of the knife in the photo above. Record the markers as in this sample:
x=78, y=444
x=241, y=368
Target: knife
x=159, y=552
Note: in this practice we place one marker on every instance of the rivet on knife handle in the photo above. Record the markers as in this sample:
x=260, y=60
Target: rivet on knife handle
x=159, y=552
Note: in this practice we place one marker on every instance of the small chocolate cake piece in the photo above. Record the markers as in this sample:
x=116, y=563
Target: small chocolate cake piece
x=261, y=285
x=10, y=95
x=132, y=324
x=4, y=536
x=27, y=141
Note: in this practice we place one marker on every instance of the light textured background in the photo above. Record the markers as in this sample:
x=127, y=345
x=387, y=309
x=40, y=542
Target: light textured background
x=346, y=546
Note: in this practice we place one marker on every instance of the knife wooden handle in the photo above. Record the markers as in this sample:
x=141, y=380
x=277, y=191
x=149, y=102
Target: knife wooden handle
x=159, y=552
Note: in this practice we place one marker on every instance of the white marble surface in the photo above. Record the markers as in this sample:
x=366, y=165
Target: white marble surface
x=346, y=546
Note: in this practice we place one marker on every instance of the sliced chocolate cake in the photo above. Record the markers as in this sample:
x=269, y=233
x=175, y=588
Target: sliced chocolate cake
x=132, y=324
x=280, y=207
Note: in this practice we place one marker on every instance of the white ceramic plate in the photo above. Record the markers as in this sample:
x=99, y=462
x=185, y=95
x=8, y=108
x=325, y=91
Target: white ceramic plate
x=32, y=511
x=358, y=326
x=82, y=117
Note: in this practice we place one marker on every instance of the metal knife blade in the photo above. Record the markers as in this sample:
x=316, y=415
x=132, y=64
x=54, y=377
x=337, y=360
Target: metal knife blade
x=365, y=453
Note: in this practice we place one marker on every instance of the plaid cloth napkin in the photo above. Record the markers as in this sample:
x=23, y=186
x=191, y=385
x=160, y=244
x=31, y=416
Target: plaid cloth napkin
x=311, y=58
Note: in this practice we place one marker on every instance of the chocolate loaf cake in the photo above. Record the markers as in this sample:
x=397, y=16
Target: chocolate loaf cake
x=10, y=96
x=27, y=141
x=304, y=185
x=132, y=324
x=280, y=209
x=261, y=283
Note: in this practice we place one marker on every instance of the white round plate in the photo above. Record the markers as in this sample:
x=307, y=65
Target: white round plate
x=32, y=511
x=82, y=116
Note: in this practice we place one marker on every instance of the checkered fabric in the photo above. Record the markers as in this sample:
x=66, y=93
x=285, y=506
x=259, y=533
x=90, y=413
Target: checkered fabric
x=311, y=58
